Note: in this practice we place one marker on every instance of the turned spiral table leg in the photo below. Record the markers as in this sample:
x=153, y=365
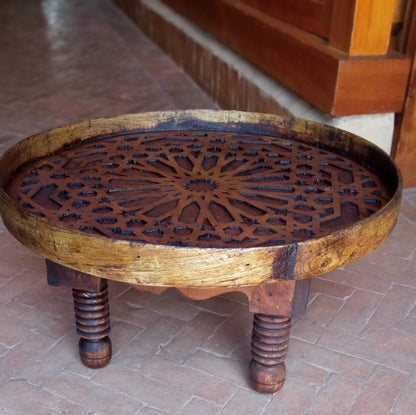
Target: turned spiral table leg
x=269, y=349
x=92, y=316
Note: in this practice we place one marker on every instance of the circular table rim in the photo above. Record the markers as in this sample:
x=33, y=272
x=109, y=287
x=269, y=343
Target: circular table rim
x=160, y=265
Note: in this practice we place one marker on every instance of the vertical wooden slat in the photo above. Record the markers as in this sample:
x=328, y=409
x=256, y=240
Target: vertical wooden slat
x=400, y=11
x=362, y=27
x=406, y=149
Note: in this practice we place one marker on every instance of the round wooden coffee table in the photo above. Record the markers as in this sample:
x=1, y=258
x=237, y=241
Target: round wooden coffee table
x=204, y=201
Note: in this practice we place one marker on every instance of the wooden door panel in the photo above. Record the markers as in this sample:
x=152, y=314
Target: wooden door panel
x=311, y=15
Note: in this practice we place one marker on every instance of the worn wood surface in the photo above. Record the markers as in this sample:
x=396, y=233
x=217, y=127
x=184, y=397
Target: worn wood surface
x=305, y=63
x=201, y=266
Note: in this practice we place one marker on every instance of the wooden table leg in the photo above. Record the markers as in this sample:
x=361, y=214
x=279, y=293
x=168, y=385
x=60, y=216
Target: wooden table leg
x=92, y=312
x=92, y=316
x=269, y=345
x=274, y=304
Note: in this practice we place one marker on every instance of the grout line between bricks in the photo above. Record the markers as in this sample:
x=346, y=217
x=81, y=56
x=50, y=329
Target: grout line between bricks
x=375, y=309
x=404, y=385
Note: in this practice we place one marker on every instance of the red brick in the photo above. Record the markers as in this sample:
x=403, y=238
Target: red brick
x=394, y=307
x=379, y=393
x=330, y=288
x=161, y=304
x=305, y=373
x=395, y=269
x=384, y=348
x=318, y=315
x=344, y=388
x=116, y=289
x=364, y=275
x=7, y=270
x=19, y=284
x=234, y=329
x=12, y=334
x=151, y=411
x=408, y=208
x=246, y=402
x=148, y=343
x=47, y=365
x=330, y=360
x=191, y=337
x=122, y=333
x=242, y=351
x=293, y=399
x=355, y=313
x=223, y=367
x=401, y=242
x=32, y=346
x=22, y=258
x=402, y=345
x=85, y=393
x=408, y=324
x=30, y=399
x=197, y=383
x=199, y=407
x=406, y=402
x=132, y=314
x=159, y=395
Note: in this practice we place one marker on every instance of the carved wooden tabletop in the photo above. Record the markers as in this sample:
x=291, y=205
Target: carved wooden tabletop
x=226, y=181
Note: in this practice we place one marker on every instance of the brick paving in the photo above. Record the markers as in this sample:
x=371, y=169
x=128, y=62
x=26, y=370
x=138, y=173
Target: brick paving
x=353, y=353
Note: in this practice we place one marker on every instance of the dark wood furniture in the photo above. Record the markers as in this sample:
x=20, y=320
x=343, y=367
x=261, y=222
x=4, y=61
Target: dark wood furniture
x=204, y=201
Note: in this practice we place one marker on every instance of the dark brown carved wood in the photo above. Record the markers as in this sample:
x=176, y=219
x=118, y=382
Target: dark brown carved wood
x=204, y=201
x=199, y=188
x=60, y=276
x=92, y=316
x=269, y=345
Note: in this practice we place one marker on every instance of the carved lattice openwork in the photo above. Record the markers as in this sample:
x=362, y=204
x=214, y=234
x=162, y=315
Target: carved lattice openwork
x=198, y=188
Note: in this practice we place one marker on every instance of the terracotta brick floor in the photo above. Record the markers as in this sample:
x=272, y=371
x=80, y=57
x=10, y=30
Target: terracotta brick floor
x=353, y=353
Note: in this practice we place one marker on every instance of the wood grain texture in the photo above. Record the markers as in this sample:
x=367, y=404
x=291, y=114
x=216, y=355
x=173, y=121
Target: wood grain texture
x=311, y=15
x=92, y=318
x=362, y=27
x=406, y=149
x=375, y=83
x=307, y=64
x=160, y=265
x=269, y=345
x=400, y=11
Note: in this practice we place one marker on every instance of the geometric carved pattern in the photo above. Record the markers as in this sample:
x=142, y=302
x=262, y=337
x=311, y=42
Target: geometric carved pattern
x=198, y=188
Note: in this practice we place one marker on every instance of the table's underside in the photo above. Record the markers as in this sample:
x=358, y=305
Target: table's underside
x=198, y=188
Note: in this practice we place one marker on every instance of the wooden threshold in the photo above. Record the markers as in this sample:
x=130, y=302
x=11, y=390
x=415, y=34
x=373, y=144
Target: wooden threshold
x=329, y=79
